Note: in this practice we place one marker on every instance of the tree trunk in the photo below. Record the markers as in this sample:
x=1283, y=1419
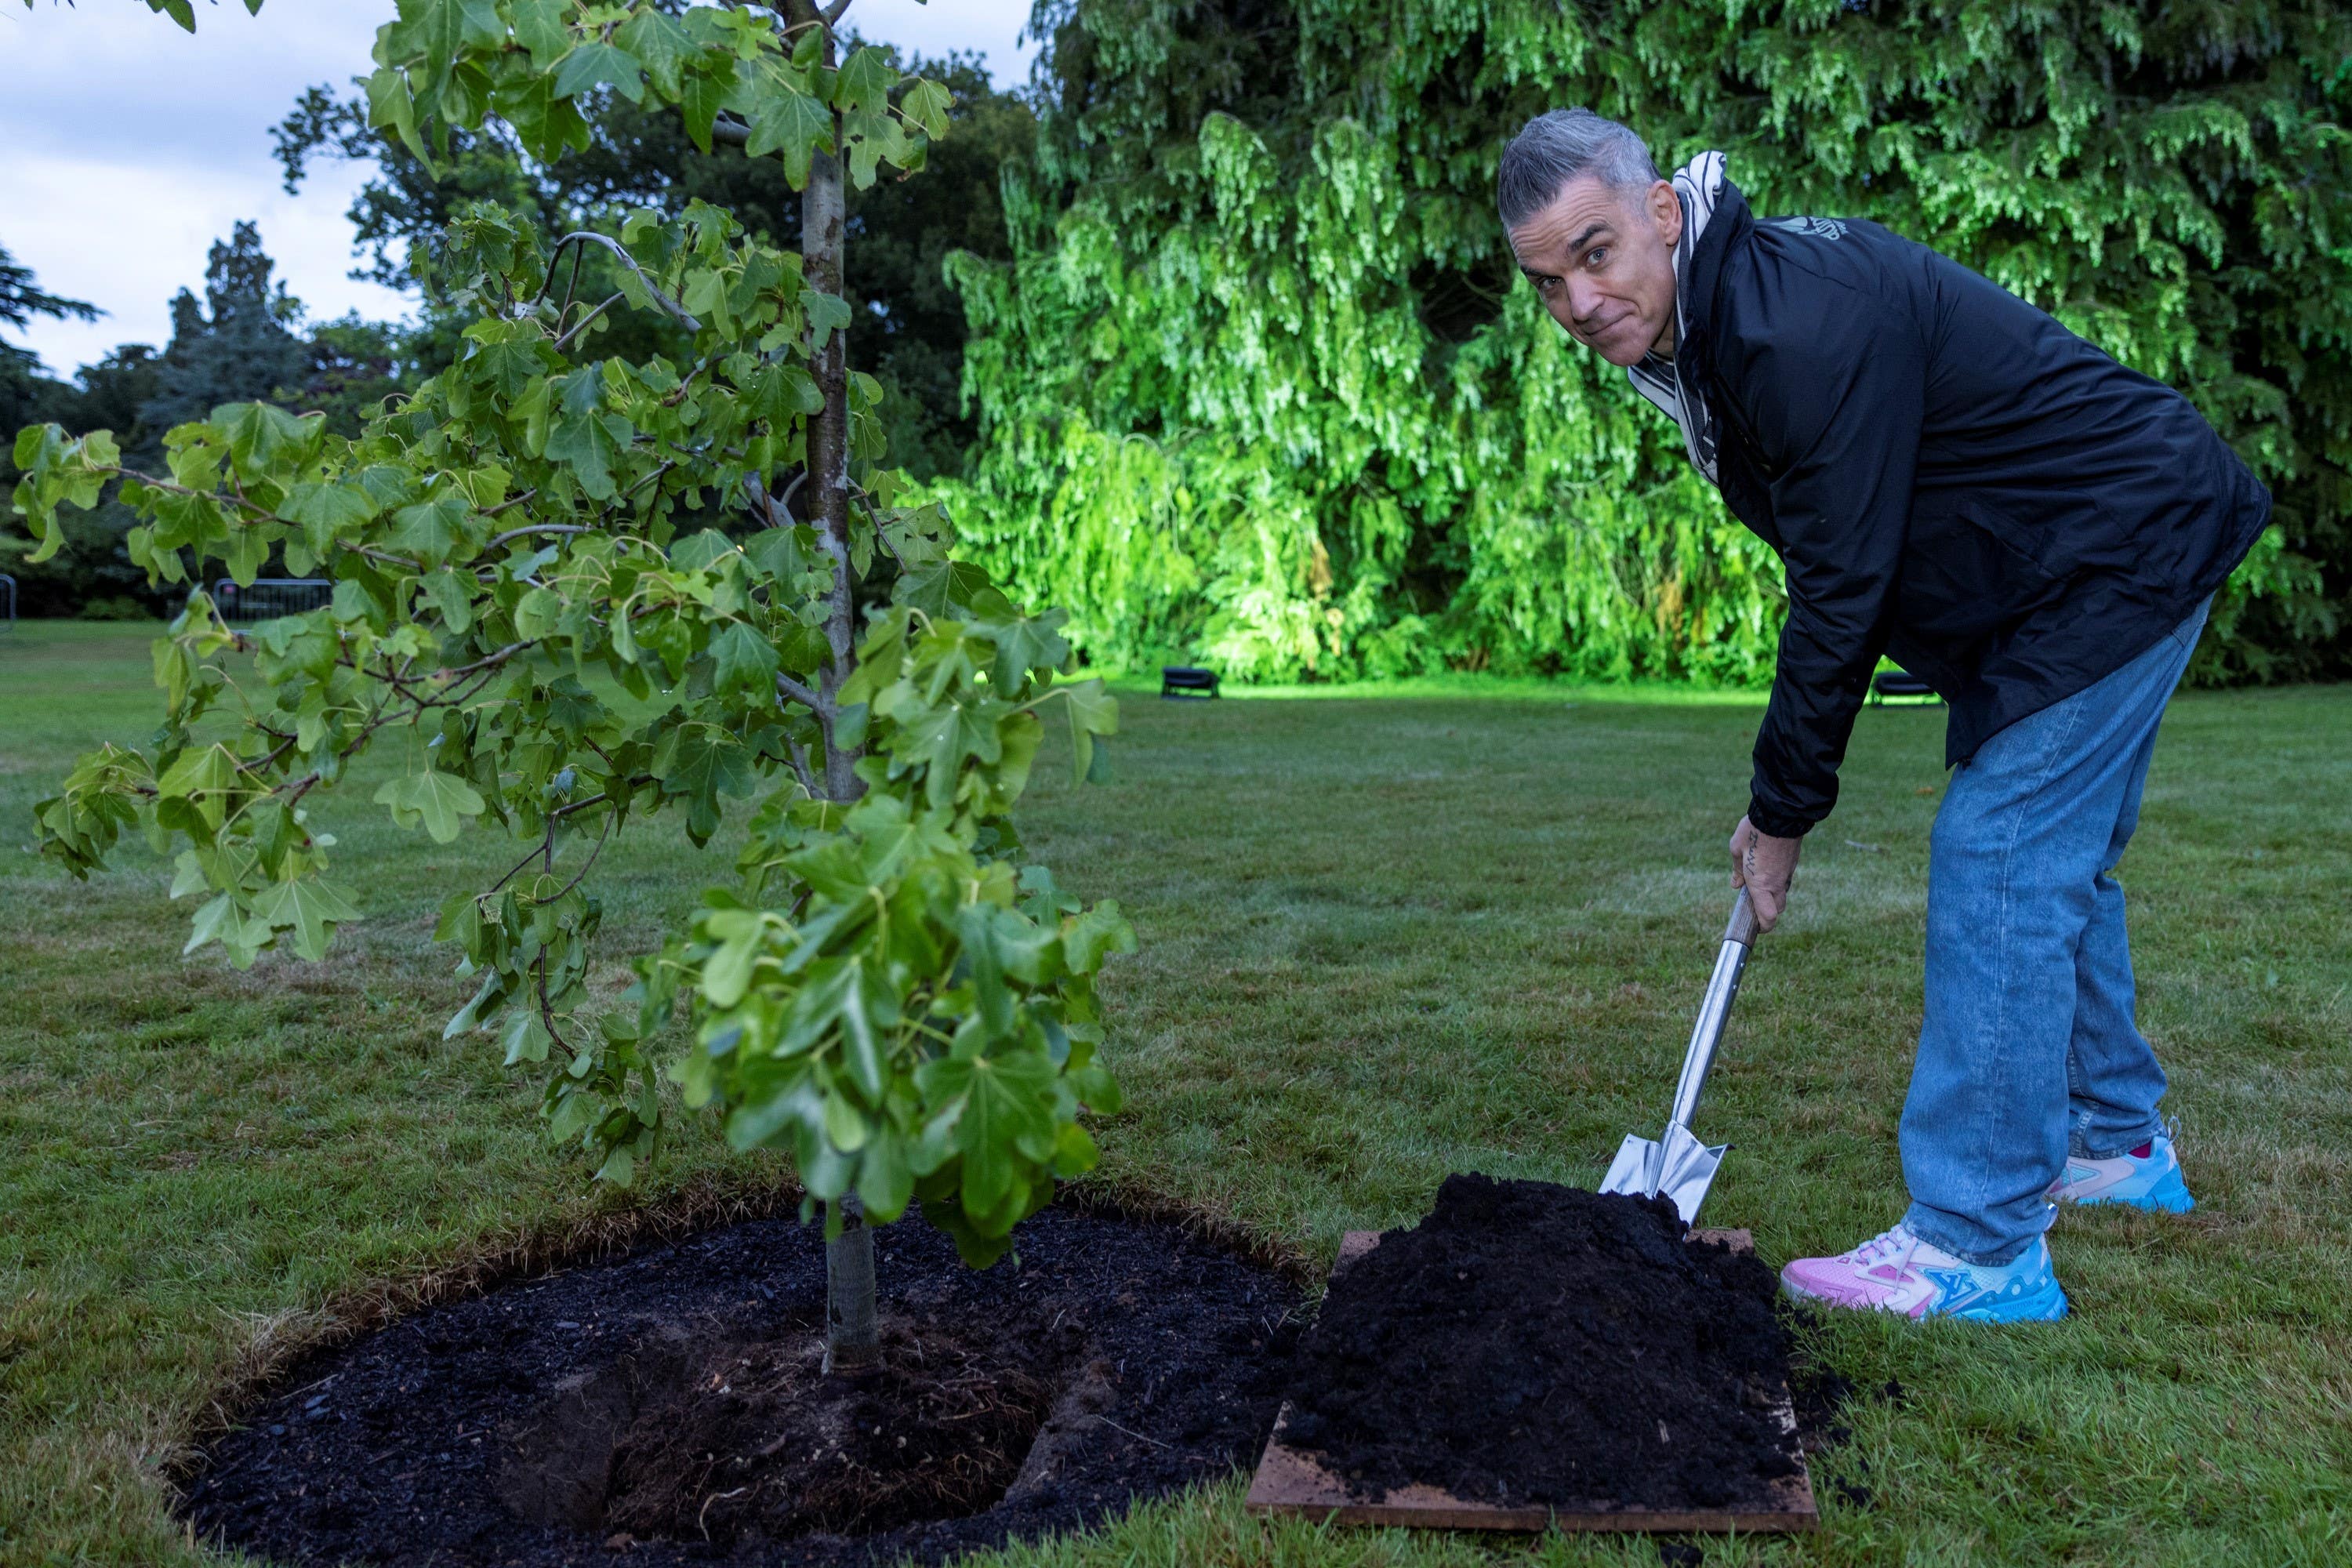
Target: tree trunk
x=822, y=221
x=852, y=1326
x=853, y=1331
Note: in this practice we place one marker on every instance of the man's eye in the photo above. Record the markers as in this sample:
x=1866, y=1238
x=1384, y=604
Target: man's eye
x=1598, y=256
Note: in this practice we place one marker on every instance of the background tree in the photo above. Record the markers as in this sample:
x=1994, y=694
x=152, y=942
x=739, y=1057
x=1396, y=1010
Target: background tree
x=1259, y=235
x=246, y=339
x=233, y=346
x=638, y=156
x=21, y=299
x=530, y=617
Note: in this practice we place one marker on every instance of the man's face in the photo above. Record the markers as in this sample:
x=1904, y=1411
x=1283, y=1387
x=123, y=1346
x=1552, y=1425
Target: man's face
x=1602, y=261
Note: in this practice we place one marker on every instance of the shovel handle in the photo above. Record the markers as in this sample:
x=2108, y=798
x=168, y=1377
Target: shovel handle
x=1722, y=988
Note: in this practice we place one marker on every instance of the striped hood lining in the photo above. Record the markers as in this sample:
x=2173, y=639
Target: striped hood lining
x=1698, y=185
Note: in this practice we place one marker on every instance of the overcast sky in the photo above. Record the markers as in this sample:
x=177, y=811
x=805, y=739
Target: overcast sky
x=127, y=147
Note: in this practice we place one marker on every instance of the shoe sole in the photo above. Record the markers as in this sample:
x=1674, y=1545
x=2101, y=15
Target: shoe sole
x=2169, y=1196
x=2047, y=1305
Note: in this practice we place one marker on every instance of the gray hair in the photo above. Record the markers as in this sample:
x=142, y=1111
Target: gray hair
x=1561, y=145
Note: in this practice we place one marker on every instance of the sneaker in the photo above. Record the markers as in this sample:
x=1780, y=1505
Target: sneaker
x=2147, y=1177
x=1895, y=1272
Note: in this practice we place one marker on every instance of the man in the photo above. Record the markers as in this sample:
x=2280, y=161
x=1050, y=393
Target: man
x=1953, y=479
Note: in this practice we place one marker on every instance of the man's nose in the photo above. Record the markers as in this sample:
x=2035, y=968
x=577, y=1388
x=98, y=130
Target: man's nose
x=1584, y=300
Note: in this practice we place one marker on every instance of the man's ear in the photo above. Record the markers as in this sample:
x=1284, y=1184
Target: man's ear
x=1666, y=212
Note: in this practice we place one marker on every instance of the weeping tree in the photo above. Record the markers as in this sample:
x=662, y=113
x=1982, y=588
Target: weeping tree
x=573, y=594
x=1261, y=384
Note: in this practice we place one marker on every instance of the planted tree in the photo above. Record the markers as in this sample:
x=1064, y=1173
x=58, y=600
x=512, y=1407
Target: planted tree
x=576, y=592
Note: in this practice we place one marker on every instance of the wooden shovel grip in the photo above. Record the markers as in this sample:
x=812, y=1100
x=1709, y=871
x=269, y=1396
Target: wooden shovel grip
x=1742, y=929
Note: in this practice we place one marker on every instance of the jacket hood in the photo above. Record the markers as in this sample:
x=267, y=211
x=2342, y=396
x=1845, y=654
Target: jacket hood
x=1700, y=287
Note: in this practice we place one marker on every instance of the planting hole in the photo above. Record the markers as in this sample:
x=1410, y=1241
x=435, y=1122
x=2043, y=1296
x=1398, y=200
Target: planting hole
x=756, y=1438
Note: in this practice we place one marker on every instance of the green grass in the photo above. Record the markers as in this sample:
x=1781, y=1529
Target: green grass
x=1385, y=936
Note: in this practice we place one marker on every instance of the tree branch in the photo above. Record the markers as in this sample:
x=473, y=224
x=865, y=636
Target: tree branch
x=533, y=528
x=589, y=237
x=585, y=323
x=803, y=695
x=798, y=753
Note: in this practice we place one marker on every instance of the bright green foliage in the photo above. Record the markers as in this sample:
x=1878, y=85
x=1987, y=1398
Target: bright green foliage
x=1266, y=389
x=536, y=607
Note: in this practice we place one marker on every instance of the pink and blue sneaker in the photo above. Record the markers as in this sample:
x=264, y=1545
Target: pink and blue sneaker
x=1897, y=1272
x=2147, y=1177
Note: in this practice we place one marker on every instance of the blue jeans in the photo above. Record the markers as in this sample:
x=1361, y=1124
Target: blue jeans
x=2028, y=1049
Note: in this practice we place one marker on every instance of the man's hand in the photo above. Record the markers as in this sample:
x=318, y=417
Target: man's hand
x=1765, y=866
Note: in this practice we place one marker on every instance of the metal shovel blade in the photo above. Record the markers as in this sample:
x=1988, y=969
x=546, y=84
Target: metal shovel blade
x=1678, y=1167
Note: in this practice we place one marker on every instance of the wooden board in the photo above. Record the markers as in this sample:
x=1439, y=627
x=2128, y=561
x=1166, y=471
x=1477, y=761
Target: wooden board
x=1290, y=1482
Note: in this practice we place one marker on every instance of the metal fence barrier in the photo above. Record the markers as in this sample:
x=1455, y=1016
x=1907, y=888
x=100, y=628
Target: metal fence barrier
x=266, y=598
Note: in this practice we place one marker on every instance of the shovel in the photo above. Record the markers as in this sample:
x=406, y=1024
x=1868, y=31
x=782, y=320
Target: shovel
x=1678, y=1166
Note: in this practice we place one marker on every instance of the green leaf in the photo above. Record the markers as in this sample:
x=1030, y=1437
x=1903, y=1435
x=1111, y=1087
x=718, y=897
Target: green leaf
x=431, y=529
x=1006, y=1110
x=942, y=738
x=940, y=591
x=726, y=973
x=1089, y=710
x=327, y=512
x=700, y=98
x=505, y=355
x=869, y=1011
x=886, y=1182
x=660, y=45
x=700, y=763
x=744, y=662
x=785, y=120
x=540, y=26
x=263, y=438
x=594, y=65
x=450, y=594
x=439, y=800
x=309, y=909
x=205, y=775
x=865, y=79
x=525, y=1038
x=781, y=391
x=1087, y=936
x=581, y=434
x=1025, y=644
x=442, y=30
x=827, y=313
x=927, y=104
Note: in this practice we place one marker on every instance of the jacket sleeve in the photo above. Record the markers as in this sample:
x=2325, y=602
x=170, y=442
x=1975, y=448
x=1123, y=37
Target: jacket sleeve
x=1835, y=395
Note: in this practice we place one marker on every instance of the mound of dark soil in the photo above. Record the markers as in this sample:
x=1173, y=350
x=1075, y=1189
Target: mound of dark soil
x=1532, y=1344
x=668, y=1408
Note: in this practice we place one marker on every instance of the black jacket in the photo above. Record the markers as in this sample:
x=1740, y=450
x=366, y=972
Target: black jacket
x=1952, y=478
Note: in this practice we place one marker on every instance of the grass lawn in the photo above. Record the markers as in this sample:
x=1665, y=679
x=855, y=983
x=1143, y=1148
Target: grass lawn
x=1385, y=936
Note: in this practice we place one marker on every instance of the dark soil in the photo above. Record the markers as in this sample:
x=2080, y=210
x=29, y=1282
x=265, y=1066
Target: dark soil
x=1530, y=1344
x=670, y=1408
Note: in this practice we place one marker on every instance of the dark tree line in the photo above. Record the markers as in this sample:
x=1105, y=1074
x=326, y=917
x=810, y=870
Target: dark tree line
x=244, y=341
